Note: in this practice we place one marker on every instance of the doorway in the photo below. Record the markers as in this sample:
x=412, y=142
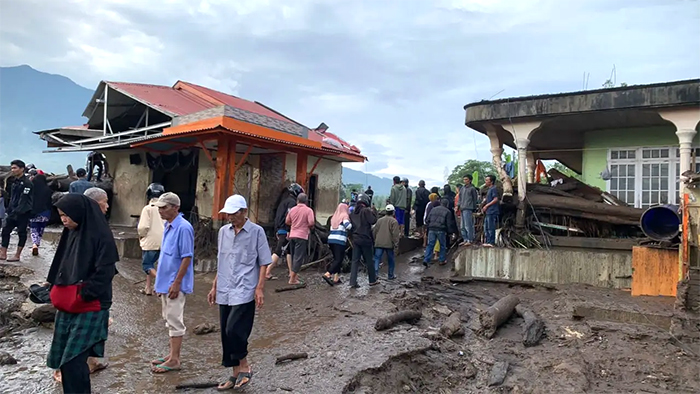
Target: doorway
x=177, y=173
x=311, y=192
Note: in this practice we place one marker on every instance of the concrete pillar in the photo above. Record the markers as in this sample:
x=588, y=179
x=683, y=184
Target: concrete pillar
x=685, y=120
x=531, y=161
x=522, y=144
x=497, y=153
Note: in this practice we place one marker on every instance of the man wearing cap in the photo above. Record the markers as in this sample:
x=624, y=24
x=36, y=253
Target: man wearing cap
x=386, y=239
x=398, y=198
x=175, y=277
x=238, y=286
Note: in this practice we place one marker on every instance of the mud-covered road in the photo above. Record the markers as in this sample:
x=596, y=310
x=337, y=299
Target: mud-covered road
x=335, y=326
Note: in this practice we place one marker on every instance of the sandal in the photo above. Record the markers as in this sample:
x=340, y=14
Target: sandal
x=226, y=386
x=99, y=367
x=13, y=259
x=328, y=280
x=143, y=291
x=164, y=369
x=337, y=282
x=239, y=380
x=158, y=361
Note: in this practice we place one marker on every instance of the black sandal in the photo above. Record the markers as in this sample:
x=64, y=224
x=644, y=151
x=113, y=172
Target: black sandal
x=328, y=280
x=231, y=379
x=239, y=380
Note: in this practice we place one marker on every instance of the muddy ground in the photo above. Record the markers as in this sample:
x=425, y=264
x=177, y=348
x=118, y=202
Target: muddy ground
x=335, y=326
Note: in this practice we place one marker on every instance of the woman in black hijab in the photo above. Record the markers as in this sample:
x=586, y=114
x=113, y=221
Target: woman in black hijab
x=81, y=290
x=41, y=210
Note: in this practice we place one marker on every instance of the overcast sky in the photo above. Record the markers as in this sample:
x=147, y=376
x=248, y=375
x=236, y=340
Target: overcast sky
x=389, y=76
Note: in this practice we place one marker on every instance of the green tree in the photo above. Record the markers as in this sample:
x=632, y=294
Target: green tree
x=564, y=170
x=483, y=167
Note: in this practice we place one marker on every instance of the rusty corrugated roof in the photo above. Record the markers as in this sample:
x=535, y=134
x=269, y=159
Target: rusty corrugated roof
x=170, y=100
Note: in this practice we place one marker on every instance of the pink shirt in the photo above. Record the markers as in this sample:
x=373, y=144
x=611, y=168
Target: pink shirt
x=301, y=218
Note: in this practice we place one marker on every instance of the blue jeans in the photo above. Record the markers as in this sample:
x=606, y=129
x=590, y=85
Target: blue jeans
x=434, y=236
x=467, y=227
x=490, y=222
x=378, y=254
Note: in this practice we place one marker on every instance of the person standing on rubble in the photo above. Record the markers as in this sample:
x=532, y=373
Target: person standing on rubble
x=420, y=203
x=398, y=198
x=466, y=206
x=362, y=220
x=41, y=211
x=19, y=209
x=370, y=193
x=440, y=223
x=407, y=213
x=281, y=250
x=491, y=209
x=386, y=240
x=301, y=220
x=150, y=229
x=337, y=240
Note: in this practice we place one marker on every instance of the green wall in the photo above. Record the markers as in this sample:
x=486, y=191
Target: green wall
x=596, y=145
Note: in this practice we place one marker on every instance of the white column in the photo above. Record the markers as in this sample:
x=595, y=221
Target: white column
x=531, y=167
x=522, y=144
x=497, y=153
x=686, y=121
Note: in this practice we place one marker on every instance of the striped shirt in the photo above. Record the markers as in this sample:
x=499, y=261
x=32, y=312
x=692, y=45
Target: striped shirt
x=340, y=235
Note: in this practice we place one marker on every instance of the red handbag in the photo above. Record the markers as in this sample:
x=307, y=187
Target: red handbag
x=68, y=299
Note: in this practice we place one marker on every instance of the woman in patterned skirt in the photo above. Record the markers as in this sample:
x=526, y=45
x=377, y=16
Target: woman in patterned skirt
x=81, y=290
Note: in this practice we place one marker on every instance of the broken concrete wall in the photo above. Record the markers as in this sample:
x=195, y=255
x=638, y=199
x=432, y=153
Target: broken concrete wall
x=272, y=181
x=206, y=184
x=330, y=175
x=612, y=269
x=130, y=183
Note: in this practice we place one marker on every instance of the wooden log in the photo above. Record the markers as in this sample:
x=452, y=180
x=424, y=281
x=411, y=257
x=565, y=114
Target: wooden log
x=291, y=357
x=497, y=314
x=389, y=321
x=582, y=189
x=544, y=189
x=200, y=385
x=290, y=288
x=533, y=329
x=511, y=282
x=594, y=216
x=452, y=325
x=576, y=204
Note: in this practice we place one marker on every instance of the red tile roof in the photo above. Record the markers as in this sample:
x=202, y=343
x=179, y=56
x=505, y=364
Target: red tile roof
x=170, y=100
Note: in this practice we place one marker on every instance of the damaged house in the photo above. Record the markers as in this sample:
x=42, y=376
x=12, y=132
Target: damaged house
x=630, y=146
x=204, y=145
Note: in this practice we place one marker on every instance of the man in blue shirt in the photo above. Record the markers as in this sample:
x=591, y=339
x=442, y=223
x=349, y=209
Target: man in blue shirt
x=492, y=209
x=175, y=276
x=238, y=287
x=81, y=184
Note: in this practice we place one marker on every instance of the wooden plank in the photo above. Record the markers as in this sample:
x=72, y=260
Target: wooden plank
x=591, y=243
x=223, y=166
x=302, y=167
x=654, y=271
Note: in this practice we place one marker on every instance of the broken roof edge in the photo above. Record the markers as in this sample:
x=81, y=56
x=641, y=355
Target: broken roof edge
x=582, y=92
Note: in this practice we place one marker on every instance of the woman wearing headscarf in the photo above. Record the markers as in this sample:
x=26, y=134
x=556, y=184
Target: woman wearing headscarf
x=81, y=290
x=41, y=210
x=337, y=240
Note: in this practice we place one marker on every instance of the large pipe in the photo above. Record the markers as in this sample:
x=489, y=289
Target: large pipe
x=661, y=222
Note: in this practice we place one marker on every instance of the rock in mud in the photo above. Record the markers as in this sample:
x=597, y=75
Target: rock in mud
x=44, y=314
x=470, y=370
x=7, y=359
x=498, y=373
x=205, y=328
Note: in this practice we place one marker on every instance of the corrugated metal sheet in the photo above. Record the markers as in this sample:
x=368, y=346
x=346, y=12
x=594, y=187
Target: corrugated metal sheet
x=170, y=100
x=655, y=271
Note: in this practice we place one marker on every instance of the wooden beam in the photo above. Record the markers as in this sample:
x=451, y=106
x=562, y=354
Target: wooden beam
x=591, y=243
x=223, y=165
x=318, y=160
x=245, y=156
x=302, y=166
x=206, y=152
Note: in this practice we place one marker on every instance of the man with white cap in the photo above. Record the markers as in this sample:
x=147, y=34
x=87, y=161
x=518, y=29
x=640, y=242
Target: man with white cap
x=238, y=286
x=175, y=277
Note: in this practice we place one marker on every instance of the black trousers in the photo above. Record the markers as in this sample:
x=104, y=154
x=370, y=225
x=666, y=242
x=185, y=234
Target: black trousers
x=365, y=252
x=236, y=324
x=75, y=375
x=100, y=170
x=21, y=223
x=407, y=222
x=338, y=251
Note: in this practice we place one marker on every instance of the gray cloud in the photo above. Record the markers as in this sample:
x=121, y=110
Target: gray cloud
x=390, y=77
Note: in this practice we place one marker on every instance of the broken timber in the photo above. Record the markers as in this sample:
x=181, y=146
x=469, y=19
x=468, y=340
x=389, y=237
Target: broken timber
x=452, y=326
x=533, y=328
x=389, y=321
x=290, y=288
x=291, y=357
x=497, y=314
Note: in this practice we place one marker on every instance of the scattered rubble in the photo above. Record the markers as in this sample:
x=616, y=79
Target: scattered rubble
x=205, y=328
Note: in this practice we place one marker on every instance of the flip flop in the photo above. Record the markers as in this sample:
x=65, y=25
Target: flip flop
x=158, y=361
x=328, y=280
x=143, y=291
x=13, y=260
x=239, y=380
x=231, y=379
x=337, y=282
x=99, y=367
x=164, y=369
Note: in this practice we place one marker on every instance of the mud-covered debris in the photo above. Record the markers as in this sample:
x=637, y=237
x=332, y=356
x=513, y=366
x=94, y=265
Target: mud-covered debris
x=443, y=310
x=470, y=370
x=7, y=359
x=497, y=314
x=205, y=328
x=533, y=328
x=452, y=326
x=290, y=288
x=291, y=357
x=44, y=314
x=389, y=321
x=498, y=373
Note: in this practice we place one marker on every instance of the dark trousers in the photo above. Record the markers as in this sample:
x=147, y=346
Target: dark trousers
x=236, y=324
x=338, y=251
x=75, y=375
x=300, y=253
x=490, y=224
x=20, y=222
x=100, y=169
x=433, y=237
x=407, y=222
x=365, y=252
